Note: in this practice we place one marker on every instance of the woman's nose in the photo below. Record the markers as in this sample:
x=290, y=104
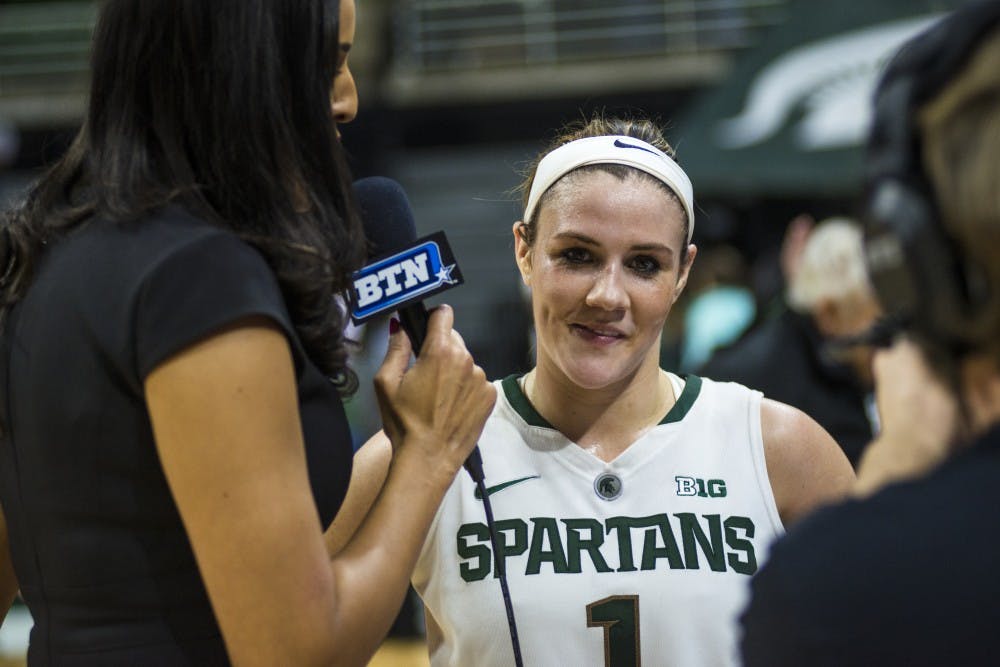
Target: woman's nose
x=345, y=98
x=608, y=291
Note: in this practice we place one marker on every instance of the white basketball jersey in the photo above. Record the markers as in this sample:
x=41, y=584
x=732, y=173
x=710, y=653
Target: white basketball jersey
x=643, y=560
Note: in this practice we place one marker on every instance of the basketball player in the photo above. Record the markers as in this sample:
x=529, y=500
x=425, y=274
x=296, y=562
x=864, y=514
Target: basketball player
x=908, y=575
x=633, y=505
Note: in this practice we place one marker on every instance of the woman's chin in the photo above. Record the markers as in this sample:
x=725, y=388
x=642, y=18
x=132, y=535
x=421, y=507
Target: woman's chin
x=595, y=375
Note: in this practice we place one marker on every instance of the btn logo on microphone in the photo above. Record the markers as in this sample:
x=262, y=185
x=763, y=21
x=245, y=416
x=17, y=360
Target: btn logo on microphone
x=415, y=273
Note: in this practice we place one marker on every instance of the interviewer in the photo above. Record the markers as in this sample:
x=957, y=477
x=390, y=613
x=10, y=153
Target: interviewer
x=173, y=436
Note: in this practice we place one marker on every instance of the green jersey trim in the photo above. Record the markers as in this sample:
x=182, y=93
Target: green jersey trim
x=520, y=402
x=692, y=388
x=524, y=408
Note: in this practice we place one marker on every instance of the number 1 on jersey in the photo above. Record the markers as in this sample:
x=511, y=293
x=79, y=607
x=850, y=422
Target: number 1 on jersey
x=619, y=616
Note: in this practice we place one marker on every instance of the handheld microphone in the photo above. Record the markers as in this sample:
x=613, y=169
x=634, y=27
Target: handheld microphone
x=402, y=270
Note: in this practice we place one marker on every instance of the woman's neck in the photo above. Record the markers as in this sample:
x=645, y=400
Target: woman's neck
x=604, y=420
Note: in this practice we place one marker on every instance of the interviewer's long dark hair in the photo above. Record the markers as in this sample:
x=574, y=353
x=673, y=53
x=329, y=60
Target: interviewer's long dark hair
x=222, y=106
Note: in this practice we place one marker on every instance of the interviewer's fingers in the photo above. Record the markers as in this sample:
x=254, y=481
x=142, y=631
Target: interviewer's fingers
x=441, y=403
x=400, y=349
x=397, y=359
x=458, y=380
x=441, y=320
x=390, y=375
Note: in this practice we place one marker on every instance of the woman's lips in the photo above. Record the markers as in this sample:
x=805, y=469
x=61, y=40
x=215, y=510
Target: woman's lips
x=597, y=334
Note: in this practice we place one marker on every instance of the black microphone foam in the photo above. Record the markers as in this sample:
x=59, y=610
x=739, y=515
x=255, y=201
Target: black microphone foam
x=386, y=214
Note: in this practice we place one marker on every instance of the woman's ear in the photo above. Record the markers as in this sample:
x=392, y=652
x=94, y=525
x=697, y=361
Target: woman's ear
x=685, y=272
x=522, y=252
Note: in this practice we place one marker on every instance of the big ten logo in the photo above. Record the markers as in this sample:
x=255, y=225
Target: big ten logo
x=412, y=274
x=692, y=486
x=393, y=279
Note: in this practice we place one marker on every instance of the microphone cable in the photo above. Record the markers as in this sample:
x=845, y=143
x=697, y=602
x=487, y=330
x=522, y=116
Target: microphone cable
x=414, y=322
x=474, y=466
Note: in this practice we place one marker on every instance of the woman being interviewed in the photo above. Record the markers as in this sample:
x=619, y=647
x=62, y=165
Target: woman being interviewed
x=633, y=504
x=173, y=435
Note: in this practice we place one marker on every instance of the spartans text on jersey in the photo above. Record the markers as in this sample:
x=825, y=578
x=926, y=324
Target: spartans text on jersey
x=618, y=544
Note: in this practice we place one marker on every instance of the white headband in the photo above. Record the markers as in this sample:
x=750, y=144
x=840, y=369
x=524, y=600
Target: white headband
x=611, y=150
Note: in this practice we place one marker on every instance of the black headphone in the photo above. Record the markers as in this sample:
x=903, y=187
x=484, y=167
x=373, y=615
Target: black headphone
x=918, y=274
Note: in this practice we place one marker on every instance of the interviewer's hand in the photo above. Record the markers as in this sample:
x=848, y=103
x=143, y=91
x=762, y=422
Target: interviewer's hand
x=441, y=403
x=918, y=416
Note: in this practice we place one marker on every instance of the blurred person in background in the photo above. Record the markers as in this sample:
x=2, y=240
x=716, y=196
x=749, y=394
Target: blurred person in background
x=625, y=495
x=720, y=305
x=173, y=438
x=906, y=575
x=794, y=357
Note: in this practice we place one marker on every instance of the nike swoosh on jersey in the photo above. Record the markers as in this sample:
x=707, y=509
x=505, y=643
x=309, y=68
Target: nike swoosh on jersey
x=490, y=490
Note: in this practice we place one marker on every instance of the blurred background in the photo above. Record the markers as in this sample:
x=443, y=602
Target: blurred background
x=766, y=102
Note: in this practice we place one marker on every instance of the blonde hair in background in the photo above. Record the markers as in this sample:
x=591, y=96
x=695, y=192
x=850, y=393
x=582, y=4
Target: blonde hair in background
x=960, y=135
x=832, y=267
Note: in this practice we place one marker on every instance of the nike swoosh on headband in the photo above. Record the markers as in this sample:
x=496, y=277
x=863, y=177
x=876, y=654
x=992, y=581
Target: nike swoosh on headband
x=606, y=149
x=621, y=144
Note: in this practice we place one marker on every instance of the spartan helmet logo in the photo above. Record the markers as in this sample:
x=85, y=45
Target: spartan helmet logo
x=608, y=486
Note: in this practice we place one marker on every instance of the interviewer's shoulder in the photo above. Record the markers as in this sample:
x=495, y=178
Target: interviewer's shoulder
x=806, y=467
x=134, y=248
